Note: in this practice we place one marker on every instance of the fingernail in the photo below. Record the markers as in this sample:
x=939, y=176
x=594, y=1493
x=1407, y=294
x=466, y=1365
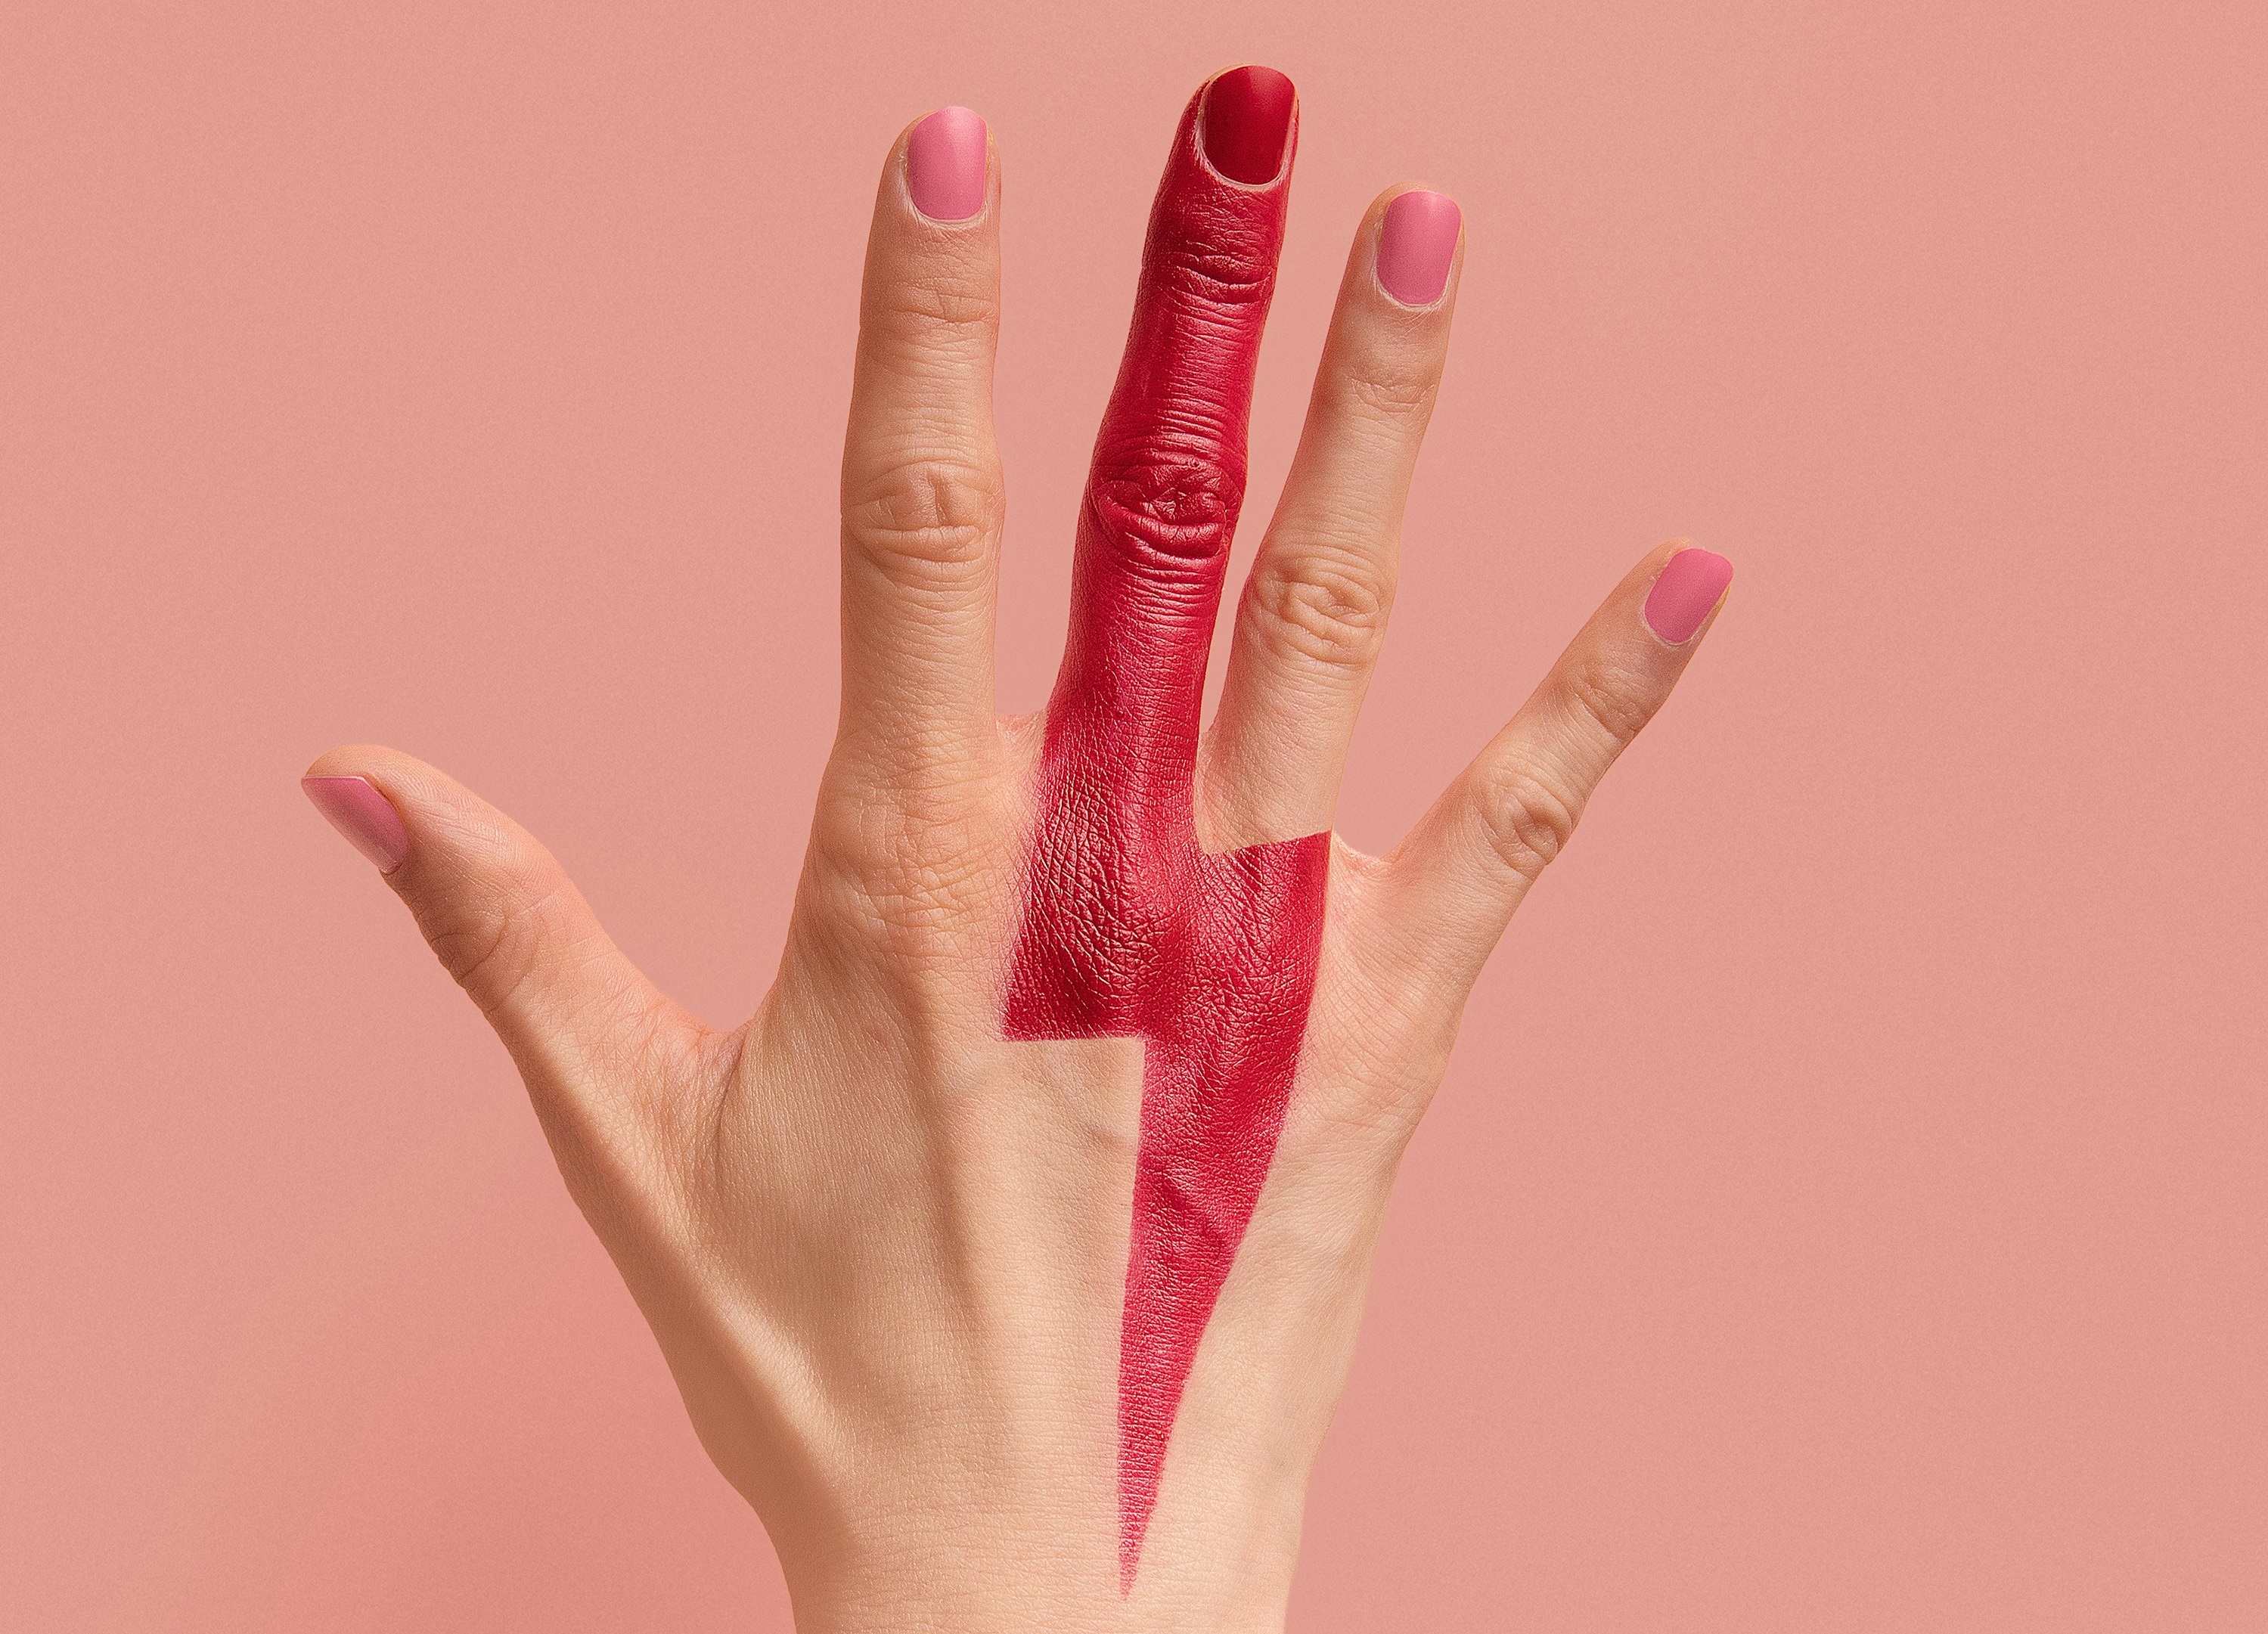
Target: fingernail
x=1247, y=121
x=946, y=165
x=1415, y=243
x=359, y=812
x=1682, y=598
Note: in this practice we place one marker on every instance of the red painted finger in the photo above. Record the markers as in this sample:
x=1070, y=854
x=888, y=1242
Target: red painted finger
x=1128, y=929
x=1169, y=463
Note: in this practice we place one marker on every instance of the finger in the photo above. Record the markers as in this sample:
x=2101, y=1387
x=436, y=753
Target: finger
x=1169, y=462
x=1313, y=612
x=1447, y=892
x=501, y=916
x=922, y=493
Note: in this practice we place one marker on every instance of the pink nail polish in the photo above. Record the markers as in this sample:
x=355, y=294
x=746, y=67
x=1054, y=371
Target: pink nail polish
x=946, y=165
x=359, y=812
x=1688, y=588
x=1416, y=244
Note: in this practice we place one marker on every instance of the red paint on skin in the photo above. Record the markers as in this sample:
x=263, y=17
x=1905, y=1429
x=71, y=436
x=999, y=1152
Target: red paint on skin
x=1128, y=929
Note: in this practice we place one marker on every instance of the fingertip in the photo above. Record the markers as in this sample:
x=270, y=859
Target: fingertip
x=1245, y=124
x=949, y=166
x=1418, y=233
x=361, y=813
x=1690, y=584
x=348, y=760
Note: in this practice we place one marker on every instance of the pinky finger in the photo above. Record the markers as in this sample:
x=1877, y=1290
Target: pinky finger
x=1449, y=890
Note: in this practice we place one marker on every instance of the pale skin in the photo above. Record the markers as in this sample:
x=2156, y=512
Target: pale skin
x=882, y=1248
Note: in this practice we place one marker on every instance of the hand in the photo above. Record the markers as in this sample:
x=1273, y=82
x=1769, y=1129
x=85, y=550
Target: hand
x=1090, y=1043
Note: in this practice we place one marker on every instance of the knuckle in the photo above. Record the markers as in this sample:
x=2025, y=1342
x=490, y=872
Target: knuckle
x=1607, y=698
x=1173, y=495
x=491, y=946
x=1318, y=610
x=1528, y=817
x=1393, y=391
x=950, y=306
x=1217, y=267
x=925, y=521
x=923, y=906
x=915, y=875
x=1387, y=1068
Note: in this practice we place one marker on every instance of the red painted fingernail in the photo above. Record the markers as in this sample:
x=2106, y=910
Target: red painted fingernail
x=1247, y=121
x=1416, y=244
x=359, y=812
x=946, y=165
x=1682, y=598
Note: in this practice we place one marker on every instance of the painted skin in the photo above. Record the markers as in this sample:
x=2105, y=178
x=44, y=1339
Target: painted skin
x=1128, y=929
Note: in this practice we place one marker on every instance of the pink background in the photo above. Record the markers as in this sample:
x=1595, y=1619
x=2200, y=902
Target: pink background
x=1846, y=1208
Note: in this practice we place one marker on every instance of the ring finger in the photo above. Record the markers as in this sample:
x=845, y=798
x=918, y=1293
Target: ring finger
x=1314, y=611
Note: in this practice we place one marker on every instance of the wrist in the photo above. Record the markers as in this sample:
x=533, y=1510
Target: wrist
x=1041, y=1569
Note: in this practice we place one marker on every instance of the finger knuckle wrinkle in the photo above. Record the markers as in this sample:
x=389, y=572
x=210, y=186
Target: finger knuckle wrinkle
x=949, y=304
x=1528, y=819
x=917, y=884
x=925, y=518
x=1178, y=502
x=491, y=949
x=925, y=911
x=1223, y=269
x=1609, y=699
x=1393, y=394
x=1319, y=612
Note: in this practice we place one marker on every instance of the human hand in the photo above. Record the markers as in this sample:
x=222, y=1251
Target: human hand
x=1090, y=1042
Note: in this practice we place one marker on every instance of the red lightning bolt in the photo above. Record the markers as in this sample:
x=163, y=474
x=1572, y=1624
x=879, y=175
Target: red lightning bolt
x=1128, y=929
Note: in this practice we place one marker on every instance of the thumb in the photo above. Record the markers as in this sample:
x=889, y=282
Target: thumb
x=500, y=914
